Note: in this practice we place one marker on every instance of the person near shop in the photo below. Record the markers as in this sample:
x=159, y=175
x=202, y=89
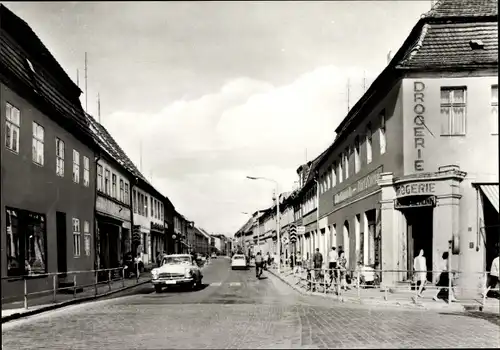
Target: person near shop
x=318, y=264
x=443, y=279
x=258, y=265
x=333, y=258
x=420, y=275
x=342, y=268
x=493, y=277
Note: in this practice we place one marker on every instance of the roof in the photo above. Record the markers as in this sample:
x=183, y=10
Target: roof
x=34, y=47
x=463, y=8
x=449, y=45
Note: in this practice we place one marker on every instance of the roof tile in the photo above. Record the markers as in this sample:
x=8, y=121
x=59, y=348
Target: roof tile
x=463, y=8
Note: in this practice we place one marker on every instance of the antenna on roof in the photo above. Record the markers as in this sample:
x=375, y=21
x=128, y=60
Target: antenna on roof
x=348, y=94
x=86, y=99
x=77, y=78
x=99, y=107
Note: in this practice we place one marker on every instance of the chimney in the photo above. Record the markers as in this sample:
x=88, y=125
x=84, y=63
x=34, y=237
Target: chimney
x=389, y=56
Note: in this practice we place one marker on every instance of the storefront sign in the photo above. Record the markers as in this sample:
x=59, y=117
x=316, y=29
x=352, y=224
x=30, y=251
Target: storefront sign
x=107, y=206
x=157, y=227
x=416, y=189
x=415, y=202
x=419, y=124
x=361, y=185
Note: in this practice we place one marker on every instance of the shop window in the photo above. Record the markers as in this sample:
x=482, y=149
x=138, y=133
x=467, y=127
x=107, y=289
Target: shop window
x=382, y=133
x=86, y=171
x=453, y=110
x=122, y=191
x=107, y=184
x=494, y=109
x=12, y=125
x=38, y=143
x=76, y=237
x=114, y=194
x=26, y=245
x=357, y=161
x=59, y=157
x=86, y=237
x=76, y=166
x=369, y=155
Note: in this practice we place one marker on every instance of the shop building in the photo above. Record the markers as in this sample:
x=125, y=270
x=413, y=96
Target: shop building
x=415, y=162
x=47, y=168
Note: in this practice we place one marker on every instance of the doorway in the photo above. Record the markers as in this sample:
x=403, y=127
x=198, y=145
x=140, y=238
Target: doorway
x=419, y=236
x=62, y=250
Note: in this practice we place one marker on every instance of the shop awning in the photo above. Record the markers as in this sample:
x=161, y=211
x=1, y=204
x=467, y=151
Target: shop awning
x=492, y=193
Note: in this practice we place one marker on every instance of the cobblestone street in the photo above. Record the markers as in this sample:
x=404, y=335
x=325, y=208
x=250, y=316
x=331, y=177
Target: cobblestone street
x=235, y=310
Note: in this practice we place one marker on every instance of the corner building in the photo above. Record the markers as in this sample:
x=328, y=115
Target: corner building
x=415, y=162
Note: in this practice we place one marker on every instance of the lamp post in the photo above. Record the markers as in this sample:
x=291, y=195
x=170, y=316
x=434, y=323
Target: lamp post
x=277, y=215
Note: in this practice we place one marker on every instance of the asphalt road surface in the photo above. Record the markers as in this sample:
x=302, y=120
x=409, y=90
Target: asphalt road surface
x=236, y=310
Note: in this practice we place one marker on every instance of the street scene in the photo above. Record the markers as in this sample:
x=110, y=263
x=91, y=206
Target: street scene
x=274, y=174
x=234, y=310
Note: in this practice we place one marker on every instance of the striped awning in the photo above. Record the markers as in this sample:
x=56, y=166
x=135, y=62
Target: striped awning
x=492, y=193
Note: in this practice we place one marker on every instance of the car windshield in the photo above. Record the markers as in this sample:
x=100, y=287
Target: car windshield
x=173, y=260
x=236, y=257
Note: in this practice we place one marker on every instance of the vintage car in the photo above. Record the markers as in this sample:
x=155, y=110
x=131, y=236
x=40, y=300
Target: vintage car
x=176, y=270
x=239, y=261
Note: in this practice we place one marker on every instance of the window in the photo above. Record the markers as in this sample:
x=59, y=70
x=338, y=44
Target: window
x=12, y=125
x=122, y=191
x=134, y=200
x=346, y=162
x=99, y=178
x=334, y=174
x=155, y=209
x=162, y=212
x=38, y=136
x=494, y=108
x=369, y=144
x=357, y=161
x=86, y=171
x=113, y=186
x=59, y=157
x=127, y=194
x=329, y=178
x=339, y=170
x=76, y=237
x=453, y=113
x=383, y=141
x=107, y=185
x=26, y=245
x=151, y=207
x=76, y=166
x=86, y=237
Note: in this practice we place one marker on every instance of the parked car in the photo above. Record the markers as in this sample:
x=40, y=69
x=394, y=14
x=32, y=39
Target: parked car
x=213, y=256
x=176, y=270
x=239, y=261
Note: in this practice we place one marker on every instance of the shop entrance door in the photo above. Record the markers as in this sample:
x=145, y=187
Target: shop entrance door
x=419, y=234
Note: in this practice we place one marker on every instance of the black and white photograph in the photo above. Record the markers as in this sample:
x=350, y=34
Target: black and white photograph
x=249, y=174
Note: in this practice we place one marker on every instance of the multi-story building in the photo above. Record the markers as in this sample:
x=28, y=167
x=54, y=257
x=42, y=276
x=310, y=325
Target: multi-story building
x=48, y=164
x=169, y=210
x=201, y=243
x=177, y=237
x=149, y=219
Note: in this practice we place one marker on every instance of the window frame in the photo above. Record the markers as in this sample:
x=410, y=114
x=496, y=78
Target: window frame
x=36, y=142
x=77, y=237
x=76, y=166
x=87, y=238
x=59, y=157
x=114, y=186
x=134, y=201
x=86, y=171
x=357, y=155
x=382, y=132
x=346, y=162
x=451, y=105
x=10, y=126
x=127, y=193
x=369, y=144
x=100, y=178
x=107, y=181
x=122, y=190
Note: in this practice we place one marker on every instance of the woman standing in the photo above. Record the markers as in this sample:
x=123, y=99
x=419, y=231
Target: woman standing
x=342, y=264
x=443, y=280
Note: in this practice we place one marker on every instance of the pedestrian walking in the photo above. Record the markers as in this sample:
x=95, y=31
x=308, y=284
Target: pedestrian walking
x=258, y=265
x=318, y=264
x=493, y=277
x=420, y=275
x=443, y=279
x=342, y=264
x=333, y=258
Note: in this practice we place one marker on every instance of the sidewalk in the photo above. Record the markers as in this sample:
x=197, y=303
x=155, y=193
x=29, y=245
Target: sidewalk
x=376, y=296
x=37, y=304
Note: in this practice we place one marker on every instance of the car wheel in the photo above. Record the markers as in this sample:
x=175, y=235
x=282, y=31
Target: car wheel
x=158, y=288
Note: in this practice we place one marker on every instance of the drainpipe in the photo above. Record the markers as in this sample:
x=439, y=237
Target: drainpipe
x=96, y=226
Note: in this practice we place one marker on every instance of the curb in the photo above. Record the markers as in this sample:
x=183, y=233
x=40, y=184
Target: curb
x=399, y=304
x=62, y=304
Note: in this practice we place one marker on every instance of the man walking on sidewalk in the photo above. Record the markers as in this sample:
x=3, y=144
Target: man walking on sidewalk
x=318, y=264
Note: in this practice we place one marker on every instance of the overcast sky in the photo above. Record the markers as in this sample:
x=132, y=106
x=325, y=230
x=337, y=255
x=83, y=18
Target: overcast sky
x=220, y=90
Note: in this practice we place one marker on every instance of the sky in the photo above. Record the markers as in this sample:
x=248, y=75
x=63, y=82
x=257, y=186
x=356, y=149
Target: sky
x=210, y=92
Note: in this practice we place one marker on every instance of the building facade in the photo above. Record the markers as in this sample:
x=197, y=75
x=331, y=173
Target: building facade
x=47, y=168
x=169, y=209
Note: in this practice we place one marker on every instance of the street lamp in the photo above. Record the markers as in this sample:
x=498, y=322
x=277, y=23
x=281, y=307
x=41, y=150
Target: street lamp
x=241, y=236
x=277, y=214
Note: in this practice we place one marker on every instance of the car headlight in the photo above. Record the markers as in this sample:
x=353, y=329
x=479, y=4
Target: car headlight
x=154, y=273
x=187, y=273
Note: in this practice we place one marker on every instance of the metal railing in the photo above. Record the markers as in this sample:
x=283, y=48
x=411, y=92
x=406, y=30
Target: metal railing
x=100, y=278
x=339, y=281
